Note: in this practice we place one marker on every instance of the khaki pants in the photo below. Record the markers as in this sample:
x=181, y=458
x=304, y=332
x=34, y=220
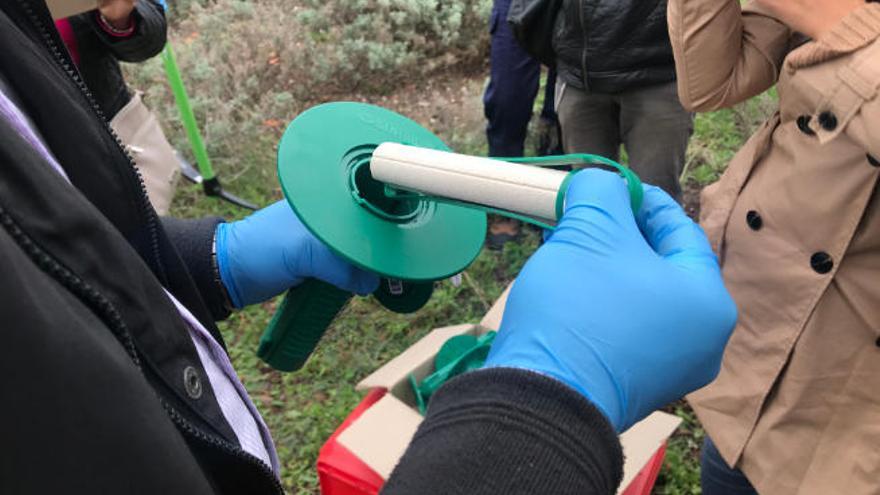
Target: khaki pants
x=650, y=122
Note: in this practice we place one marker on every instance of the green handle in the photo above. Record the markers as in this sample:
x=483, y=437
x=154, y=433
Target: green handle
x=186, y=114
x=299, y=323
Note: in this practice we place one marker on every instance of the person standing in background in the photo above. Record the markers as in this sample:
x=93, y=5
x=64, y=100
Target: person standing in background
x=514, y=81
x=795, y=220
x=127, y=31
x=617, y=86
x=122, y=381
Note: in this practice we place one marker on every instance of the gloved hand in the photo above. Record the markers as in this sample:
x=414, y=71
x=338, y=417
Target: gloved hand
x=270, y=251
x=631, y=319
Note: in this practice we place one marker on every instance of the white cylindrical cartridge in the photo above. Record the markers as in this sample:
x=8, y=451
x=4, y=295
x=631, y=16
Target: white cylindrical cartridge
x=523, y=189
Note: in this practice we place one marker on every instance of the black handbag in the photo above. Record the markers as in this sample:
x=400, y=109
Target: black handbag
x=532, y=22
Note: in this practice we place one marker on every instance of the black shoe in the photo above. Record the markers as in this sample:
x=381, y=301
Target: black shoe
x=549, y=138
x=502, y=231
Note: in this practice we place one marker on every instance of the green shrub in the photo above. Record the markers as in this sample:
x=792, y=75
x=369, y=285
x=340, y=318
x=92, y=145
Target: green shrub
x=253, y=66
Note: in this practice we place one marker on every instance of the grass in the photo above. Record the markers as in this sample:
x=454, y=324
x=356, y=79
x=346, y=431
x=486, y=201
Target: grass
x=681, y=474
x=718, y=135
x=249, y=77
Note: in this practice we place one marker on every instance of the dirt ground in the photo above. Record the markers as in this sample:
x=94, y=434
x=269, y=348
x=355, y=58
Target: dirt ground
x=450, y=105
x=691, y=193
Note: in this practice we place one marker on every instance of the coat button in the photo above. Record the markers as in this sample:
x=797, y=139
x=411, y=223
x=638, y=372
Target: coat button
x=828, y=121
x=192, y=383
x=873, y=161
x=821, y=262
x=803, y=123
x=754, y=220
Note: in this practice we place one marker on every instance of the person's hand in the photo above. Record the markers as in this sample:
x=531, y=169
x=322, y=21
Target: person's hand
x=270, y=251
x=117, y=12
x=812, y=18
x=631, y=319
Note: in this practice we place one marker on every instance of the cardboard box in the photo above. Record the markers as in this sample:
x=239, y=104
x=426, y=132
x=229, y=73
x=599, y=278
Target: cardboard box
x=381, y=433
x=66, y=8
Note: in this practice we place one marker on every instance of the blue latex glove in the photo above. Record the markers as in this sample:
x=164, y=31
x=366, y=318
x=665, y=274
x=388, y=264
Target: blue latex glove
x=632, y=315
x=271, y=251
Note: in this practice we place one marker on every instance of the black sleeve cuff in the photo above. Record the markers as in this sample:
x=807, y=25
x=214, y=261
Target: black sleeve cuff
x=510, y=431
x=149, y=38
x=194, y=240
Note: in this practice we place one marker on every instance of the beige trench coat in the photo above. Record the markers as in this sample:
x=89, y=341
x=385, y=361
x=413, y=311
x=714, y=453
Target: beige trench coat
x=795, y=221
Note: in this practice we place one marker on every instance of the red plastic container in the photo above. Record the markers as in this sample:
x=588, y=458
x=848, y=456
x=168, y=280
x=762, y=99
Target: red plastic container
x=339, y=471
x=342, y=473
x=643, y=483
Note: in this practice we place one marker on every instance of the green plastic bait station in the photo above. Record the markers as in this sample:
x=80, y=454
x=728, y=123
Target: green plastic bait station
x=410, y=235
x=458, y=355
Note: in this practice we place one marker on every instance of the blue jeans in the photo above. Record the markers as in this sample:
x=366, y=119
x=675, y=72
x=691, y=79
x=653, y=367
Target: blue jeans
x=717, y=477
x=513, y=85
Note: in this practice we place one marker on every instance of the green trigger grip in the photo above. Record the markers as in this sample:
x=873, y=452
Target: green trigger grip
x=299, y=323
x=308, y=309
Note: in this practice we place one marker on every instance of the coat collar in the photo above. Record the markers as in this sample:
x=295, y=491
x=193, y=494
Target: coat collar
x=859, y=29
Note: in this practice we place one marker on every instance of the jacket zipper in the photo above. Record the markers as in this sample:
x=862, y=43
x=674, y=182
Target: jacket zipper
x=583, y=19
x=89, y=294
x=77, y=286
x=146, y=208
x=221, y=444
x=108, y=313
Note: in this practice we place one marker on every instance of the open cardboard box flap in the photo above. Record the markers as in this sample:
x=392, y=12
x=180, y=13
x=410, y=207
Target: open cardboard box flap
x=418, y=361
x=492, y=320
x=381, y=435
x=66, y=8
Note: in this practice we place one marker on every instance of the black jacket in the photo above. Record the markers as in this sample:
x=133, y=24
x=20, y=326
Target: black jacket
x=609, y=46
x=100, y=53
x=94, y=354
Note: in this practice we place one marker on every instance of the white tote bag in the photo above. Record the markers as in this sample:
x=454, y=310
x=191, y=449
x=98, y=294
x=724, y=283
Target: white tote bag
x=139, y=130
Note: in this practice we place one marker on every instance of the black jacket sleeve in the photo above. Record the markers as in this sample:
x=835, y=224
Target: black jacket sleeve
x=194, y=240
x=148, y=40
x=509, y=431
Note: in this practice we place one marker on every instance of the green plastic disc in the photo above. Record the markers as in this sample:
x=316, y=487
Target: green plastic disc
x=323, y=166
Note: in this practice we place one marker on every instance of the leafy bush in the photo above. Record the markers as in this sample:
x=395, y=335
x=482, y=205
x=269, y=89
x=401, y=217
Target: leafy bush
x=252, y=66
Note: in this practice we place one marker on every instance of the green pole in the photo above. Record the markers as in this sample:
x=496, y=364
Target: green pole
x=186, y=114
